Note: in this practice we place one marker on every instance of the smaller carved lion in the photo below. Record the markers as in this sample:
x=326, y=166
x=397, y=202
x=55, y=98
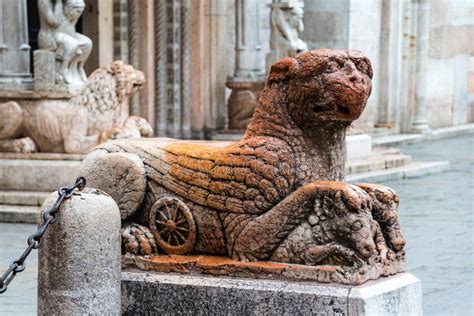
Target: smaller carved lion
x=99, y=112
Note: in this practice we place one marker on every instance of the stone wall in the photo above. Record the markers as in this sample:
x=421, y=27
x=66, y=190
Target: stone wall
x=450, y=56
x=384, y=30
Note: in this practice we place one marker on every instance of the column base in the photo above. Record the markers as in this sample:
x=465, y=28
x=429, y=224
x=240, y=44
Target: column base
x=420, y=127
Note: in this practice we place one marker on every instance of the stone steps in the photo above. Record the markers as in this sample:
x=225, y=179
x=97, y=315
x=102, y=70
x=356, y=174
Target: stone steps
x=377, y=162
x=19, y=213
x=26, y=198
x=37, y=175
x=413, y=170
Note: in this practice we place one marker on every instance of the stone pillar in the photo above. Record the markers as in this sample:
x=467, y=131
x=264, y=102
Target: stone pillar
x=147, y=59
x=407, y=81
x=79, y=259
x=390, y=64
x=120, y=30
x=420, y=123
x=14, y=48
x=133, y=49
x=173, y=68
x=98, y=25
x=248, y=80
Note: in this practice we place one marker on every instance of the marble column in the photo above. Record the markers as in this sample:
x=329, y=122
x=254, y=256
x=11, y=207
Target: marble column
x=420, y=123
x=120, y=30
x=14, y=48
x=390, y=64
x=133, y=49
x=173, y=68
x=248, y=79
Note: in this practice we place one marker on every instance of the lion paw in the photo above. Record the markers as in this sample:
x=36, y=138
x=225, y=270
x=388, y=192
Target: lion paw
x=140, y=124
x=24, y=145
x=138, y=240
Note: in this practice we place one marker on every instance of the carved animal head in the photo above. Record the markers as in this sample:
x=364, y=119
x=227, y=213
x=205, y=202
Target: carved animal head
x=128, y=79
x=385, y=211
x=324, y=85
x=347, y=218
x=108, y=89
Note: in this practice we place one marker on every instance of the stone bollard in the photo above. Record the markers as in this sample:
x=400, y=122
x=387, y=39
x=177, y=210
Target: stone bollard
x=79, y=259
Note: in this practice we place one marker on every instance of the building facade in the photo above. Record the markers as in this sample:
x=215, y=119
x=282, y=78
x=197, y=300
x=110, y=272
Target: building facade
x=422, y=53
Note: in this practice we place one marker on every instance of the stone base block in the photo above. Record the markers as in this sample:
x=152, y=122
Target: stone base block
x=37, y=174
x=358, y=146
x=169, y=294
x=223, y=266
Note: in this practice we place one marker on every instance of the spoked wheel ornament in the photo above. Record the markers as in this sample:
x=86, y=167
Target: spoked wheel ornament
x=172, y=225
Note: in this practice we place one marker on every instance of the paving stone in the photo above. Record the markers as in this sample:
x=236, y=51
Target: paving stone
x=437, y=216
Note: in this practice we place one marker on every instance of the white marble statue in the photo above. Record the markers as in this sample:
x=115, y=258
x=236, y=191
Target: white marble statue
x=58, y=34
x=286, y=24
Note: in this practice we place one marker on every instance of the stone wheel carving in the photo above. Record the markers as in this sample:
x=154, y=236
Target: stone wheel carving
x=172, y=225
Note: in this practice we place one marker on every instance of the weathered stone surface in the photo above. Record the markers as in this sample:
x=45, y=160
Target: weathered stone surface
x=58, y=35
x=157, y=293
x=97, y=113
x=79, y=259
x=222, y=266
x=129, y=172
x=276, y=195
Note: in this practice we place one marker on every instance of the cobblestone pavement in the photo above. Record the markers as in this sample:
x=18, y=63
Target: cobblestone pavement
x=437, y=217
x=437, y=214
x=20, y=298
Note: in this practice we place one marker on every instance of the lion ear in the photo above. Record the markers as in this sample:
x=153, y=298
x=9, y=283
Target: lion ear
x=116, y=67
x=283, y=70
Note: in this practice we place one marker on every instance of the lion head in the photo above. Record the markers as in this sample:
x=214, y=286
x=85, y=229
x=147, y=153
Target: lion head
x=324, y=85
x=128, y=79
x=109, y=87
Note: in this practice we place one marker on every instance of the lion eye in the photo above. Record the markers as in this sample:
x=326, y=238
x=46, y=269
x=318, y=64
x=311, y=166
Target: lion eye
x=356, y=226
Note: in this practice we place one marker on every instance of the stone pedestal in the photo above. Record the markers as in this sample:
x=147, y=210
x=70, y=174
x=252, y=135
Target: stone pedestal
x=155, y=293
x=242, y=102
x=45, y=72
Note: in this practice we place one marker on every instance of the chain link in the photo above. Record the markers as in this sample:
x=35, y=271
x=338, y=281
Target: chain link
x=34, y=241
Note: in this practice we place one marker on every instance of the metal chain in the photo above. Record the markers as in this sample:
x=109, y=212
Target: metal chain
x=34, y=241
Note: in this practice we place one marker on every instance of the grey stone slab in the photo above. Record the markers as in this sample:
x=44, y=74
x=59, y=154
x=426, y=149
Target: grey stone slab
x=414, y=170
x=37, y=175
x=156, y=293
x=399, y=295
x=159, y=293
x=19, y=213
x=33, y=198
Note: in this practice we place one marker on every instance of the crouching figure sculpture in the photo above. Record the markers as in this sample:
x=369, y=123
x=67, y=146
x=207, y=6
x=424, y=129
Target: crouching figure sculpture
x=277, y=195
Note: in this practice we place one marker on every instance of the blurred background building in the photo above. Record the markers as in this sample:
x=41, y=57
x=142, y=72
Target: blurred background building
x=192, y=50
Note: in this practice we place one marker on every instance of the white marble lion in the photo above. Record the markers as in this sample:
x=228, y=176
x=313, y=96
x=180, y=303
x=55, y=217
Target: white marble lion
x=99, y=112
